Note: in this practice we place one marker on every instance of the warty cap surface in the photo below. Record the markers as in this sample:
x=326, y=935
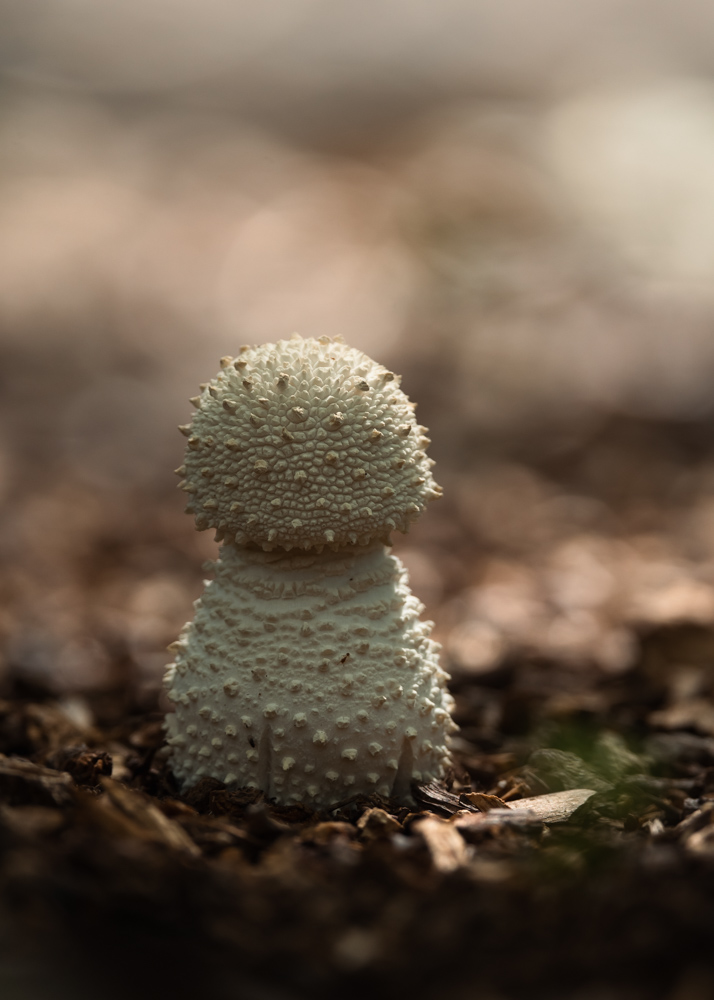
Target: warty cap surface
x=305, y=444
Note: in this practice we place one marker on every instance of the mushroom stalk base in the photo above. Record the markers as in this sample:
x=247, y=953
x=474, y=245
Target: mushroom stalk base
x=309, y=677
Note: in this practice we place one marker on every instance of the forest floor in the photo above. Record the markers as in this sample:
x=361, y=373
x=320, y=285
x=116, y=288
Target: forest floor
x=576, y=608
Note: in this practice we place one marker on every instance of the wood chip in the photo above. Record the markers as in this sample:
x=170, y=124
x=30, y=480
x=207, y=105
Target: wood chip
x=555, y=807
x=437, y=799
x=377, y=823
x=695, y=821
x=483, y=802
x=701, y=842
x=446, y=845
x=495, y=819
x=24, y=783
x=129, y=813
x=214, y=834
x=328, y=832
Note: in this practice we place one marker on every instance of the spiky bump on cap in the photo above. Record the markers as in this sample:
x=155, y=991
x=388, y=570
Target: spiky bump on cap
x=305, y=443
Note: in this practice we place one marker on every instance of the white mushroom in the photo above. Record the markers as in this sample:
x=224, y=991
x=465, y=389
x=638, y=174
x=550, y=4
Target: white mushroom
x=307, y=674
x=305, y=443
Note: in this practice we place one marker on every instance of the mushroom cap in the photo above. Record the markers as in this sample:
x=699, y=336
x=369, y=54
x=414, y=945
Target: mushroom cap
x=305, y=443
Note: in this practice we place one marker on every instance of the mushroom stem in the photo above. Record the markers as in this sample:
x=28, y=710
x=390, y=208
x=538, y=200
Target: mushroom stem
x=310, y=677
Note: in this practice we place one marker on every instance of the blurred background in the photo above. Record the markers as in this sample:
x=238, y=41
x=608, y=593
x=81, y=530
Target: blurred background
x=510, y=203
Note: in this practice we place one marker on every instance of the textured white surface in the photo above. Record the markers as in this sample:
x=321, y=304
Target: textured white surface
x=307, y=674
x=303, y=444
x=310, y=677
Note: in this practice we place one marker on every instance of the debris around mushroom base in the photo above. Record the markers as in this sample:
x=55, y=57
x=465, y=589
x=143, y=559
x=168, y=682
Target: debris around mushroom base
x=234, y=854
